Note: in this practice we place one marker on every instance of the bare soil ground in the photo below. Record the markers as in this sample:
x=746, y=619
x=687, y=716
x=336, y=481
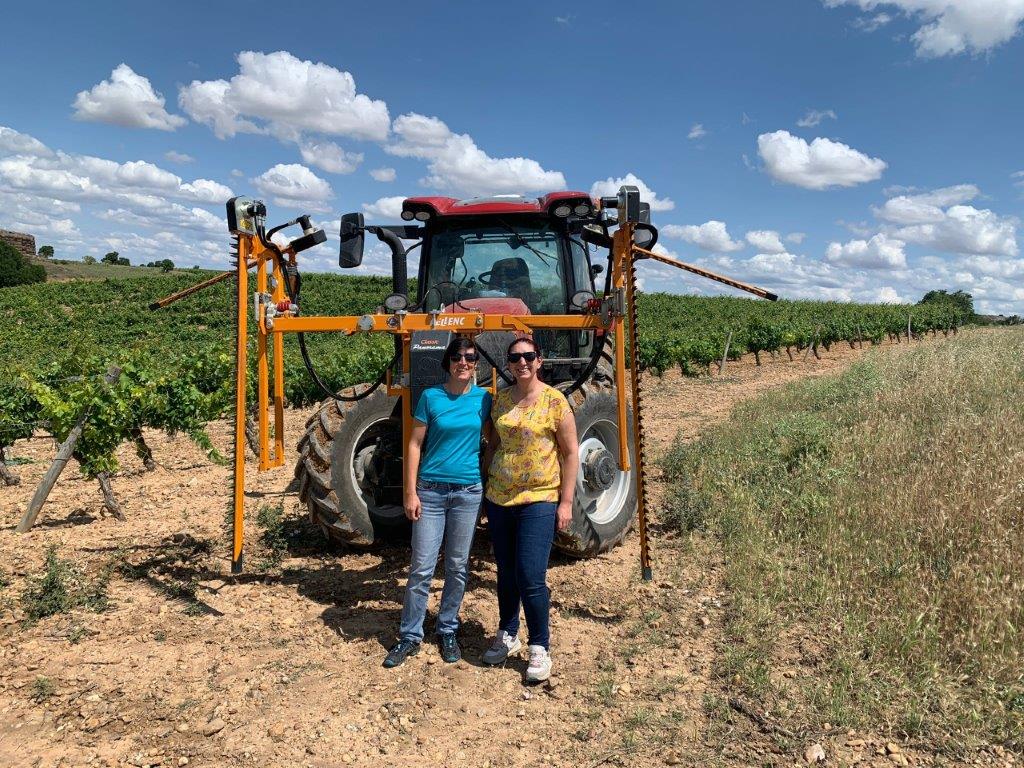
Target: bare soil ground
x=192, y=667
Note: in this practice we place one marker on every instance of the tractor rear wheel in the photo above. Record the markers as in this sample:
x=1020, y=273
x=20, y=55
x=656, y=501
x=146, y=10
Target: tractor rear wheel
x=604, y=505
x=349, y=469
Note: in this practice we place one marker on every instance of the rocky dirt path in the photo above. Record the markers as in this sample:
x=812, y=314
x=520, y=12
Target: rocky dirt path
x=282, y=668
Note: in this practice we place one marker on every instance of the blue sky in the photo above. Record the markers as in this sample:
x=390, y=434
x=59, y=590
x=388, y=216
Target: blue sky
x=848, y=149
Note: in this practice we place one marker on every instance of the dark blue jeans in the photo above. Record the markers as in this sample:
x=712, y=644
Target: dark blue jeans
x=522, y=536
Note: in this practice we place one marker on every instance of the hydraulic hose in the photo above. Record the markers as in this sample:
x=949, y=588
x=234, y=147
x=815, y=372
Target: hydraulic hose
x=294, y=299
x=595, y=353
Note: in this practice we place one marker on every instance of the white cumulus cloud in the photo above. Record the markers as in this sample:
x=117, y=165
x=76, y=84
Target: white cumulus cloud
x=710, y=236
x=880, y=252
x=872, y=23
x=611, y=186
x=965, y=229
x=14, y=142
x=383, y=174
x=169, y=216
x=286, y=96
x=294, y=185
x=456, y=164
x=796, y=237
x=126, y=99
x=205, y=191
x=815, y=116
x=819, y=165
x=84, y=204
x=941, y=219
x=697, y=131
x=765, y=241
x=950, y=27
x=886, y=294
x=329, y=156
x=178, y=157
x=85, y=178
x=386, y=208
x=925, y=208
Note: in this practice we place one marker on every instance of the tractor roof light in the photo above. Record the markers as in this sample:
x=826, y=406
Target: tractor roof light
x=418, y=210
x=562, y=210
x=582, y=209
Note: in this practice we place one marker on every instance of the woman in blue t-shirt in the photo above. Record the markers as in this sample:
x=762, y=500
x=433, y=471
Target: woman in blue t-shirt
x=443, y=490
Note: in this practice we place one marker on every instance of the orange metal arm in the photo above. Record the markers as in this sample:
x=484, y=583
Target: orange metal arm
x=470, y=322
x=761, y=292
x=161, y=303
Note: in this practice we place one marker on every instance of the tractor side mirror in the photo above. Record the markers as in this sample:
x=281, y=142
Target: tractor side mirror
x=594, y=235
x=351, y=253
x=596, y=269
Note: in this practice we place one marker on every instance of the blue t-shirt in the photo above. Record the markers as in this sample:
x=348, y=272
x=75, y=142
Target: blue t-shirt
x=451, y=452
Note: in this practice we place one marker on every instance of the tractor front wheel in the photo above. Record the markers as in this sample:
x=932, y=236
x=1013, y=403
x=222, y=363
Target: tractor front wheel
x=349, y=469
x=604, y=504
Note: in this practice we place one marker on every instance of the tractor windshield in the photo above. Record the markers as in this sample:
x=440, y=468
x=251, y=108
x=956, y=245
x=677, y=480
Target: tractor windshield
x=507, y=258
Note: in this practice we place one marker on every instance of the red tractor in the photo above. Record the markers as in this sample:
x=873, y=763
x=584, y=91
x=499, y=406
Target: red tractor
x=507, y=255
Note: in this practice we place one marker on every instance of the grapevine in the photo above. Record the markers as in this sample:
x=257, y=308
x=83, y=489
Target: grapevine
x=176, y=373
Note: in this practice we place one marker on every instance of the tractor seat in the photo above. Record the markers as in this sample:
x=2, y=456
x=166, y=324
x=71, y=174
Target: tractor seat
x=512, y=277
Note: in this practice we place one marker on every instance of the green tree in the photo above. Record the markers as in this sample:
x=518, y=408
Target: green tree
x=15, y=270
x=123, y=261
x=110, y=258
x=166, y=265
x=88, y=259
x=46, y=252
x=961, y=300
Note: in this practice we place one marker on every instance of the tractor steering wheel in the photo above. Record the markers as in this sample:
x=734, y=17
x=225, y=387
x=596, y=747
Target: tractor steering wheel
x=459, y=291
x=485, y=278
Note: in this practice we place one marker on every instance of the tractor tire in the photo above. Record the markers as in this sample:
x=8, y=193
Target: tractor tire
x=604, y=505
x=339, y=457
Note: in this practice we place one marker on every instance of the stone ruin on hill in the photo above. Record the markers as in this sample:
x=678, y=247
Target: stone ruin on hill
x=24, y=243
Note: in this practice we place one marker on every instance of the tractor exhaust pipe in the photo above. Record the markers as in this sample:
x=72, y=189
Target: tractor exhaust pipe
x=399, y=266
x=399, y=269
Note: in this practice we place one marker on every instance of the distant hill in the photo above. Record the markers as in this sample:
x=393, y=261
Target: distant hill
x=59, y=270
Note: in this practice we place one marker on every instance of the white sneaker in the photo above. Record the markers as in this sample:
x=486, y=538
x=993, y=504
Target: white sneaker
x=504, y=645
x=539, y=669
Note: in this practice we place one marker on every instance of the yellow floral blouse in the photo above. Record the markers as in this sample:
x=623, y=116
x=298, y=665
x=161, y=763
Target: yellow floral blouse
x=525, y=467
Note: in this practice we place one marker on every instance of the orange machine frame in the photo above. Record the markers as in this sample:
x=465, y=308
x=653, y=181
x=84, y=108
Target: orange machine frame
x=609, y=317
x=271, y=330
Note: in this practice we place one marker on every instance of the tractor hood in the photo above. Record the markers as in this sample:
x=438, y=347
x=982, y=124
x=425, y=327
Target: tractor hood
x=474, y=206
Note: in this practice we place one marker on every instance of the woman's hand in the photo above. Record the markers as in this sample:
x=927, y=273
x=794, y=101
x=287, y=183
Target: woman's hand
x=563, y=516
x=412, y=506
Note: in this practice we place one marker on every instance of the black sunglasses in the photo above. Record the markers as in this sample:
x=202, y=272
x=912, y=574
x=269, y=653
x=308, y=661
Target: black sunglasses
x=515, y=357
x=469, y=357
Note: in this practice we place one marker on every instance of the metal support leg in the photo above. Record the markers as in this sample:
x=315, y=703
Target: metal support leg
x=242, y=308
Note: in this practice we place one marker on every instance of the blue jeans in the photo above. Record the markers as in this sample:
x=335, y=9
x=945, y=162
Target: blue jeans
x=522, y=536
x=449, y=512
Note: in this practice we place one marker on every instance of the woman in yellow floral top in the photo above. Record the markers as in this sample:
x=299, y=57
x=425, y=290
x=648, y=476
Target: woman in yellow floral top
x=532, y=460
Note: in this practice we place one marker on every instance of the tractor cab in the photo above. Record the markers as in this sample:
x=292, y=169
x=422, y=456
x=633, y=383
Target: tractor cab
x=505, y=254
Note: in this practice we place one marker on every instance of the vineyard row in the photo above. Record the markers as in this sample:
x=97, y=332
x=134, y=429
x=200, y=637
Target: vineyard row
x=176, y=371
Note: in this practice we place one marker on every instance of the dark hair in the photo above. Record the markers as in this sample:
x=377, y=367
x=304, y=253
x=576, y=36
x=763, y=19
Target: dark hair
x=524, y=340
x=458, y=345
